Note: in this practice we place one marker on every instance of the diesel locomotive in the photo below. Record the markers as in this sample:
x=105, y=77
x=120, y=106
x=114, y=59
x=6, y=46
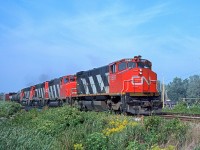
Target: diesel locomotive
x=125, y=86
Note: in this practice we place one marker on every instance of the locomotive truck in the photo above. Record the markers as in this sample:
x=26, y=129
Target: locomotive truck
x=126, y=85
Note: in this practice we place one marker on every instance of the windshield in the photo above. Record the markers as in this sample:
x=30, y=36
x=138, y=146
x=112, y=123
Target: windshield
x=144, y=65
x=72, y=79
x=125, y=65
x=131, y=64
x=66, y=80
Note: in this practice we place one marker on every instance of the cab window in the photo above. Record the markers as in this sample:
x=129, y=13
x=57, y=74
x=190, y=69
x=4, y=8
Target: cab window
x=113, y=68
x=72, y=79
x=66, y=80
x=144, y=65
x=147, y=65
x=131, y=64
x=140, y=65
x=122, y=66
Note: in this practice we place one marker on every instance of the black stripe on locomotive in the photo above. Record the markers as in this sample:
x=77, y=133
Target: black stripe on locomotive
x=99, y=77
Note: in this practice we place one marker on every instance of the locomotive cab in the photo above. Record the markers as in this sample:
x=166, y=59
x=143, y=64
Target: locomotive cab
x=132, y=76
x=40, y=95
x=68, y=87
x=25, y=96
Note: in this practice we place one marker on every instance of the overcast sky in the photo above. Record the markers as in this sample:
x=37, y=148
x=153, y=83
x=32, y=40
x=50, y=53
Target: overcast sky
x=44, y=39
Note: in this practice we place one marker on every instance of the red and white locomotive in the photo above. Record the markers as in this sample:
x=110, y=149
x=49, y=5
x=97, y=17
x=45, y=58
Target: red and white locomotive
x=127, y=85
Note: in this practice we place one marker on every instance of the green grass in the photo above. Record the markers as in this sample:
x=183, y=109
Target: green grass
x=68, y=128
x=8, y=108
x=183, y=108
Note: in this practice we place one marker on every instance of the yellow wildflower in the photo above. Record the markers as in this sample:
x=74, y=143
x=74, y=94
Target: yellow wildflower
x=78, y=147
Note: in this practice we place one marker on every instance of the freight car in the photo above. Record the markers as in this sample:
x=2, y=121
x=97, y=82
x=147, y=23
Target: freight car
x=127, y=85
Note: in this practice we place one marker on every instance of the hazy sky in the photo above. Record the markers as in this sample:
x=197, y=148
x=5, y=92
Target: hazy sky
x=44, y=39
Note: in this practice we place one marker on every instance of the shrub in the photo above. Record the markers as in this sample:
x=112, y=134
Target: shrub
x=136, y=146
x=8, y=108
x=96, y=141
x=152, y=123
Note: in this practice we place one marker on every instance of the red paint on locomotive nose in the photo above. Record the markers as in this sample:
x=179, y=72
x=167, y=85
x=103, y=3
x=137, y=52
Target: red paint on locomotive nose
x=132, y=76
x=68, y=87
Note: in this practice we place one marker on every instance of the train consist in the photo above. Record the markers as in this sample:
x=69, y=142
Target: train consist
x=127, y=85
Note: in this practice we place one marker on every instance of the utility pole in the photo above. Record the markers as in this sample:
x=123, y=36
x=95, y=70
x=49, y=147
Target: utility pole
x=163, y=93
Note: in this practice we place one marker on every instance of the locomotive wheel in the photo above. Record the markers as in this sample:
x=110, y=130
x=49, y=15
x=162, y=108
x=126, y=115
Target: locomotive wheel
x=60, y=103
x=83, y=108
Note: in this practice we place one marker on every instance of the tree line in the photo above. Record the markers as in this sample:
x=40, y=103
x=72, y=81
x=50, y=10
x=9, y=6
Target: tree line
x=1, y=96
x=184, y=88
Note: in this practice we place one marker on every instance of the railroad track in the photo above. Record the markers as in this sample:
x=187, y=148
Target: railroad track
x=182, y=117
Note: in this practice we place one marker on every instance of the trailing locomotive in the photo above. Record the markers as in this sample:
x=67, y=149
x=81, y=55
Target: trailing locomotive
x=127, y=85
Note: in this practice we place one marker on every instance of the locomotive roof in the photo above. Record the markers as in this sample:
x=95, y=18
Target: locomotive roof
x=26, y=89
x=136, y=58
x=99, y=68
x=39, y=85
x=55, y=80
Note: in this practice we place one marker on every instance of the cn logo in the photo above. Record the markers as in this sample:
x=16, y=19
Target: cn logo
x=141, y=79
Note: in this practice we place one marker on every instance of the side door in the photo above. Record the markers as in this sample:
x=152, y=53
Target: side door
x=114, y=78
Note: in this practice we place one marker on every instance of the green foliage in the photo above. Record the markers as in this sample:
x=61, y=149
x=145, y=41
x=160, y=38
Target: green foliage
x=136, y=146
x=152, y=123
x=68, y=128
x=53, y=126
x=96, y=141
x=194, y=86
x=194, y=109
x=173, y=130
x=160, y=131
x=156, y=147
x=78, y=147
x=179, y=88
x=197, y=147
x=182, y=107
x=8, y=108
